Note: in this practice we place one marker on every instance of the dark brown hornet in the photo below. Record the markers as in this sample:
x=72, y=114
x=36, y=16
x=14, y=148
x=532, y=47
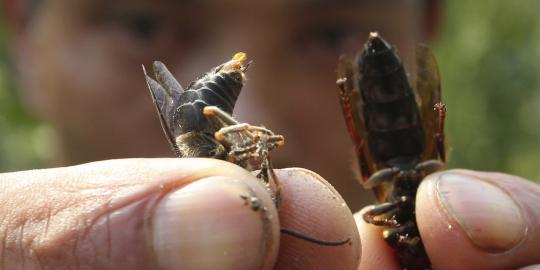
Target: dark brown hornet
x=398, y=137
x=197, y=123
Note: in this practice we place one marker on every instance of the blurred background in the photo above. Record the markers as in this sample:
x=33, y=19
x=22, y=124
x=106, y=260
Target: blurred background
x=489, y=56
x=25, y=143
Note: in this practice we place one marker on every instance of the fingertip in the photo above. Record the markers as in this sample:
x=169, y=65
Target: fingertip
x=141, y=214
x=210, y=223
x=311, y=206
x=531, y=267
x=477, y=216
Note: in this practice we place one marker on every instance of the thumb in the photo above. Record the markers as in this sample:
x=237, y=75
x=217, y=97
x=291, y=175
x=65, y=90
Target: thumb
x=136, y=214
x=474, y=220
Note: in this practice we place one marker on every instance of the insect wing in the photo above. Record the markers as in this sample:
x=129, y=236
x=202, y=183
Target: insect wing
x=164, y=100
x=428, y=89
x=167, y=80
x=349, y=100
x=351, y=105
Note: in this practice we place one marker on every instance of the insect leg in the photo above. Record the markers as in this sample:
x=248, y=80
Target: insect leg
x=269, y=178
x=216, y=114
x=269, y=137
x=238, y=128
x=429, y=166
x=243, y=150
x=384, y=175
x=262, y=130
x=277, y=139
x=399, y=235
x=241, y=155
x=411, y=253
x=428, y=90
x=370, y=216
x=439, y=135
x=351, y=106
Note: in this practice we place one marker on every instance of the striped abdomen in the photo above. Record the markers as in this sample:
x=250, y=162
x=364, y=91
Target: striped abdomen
x=214, y=89
x=391, y=115
x=189, y=132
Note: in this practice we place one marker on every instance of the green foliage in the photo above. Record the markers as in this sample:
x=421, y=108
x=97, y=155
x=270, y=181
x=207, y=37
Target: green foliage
x=489, y=54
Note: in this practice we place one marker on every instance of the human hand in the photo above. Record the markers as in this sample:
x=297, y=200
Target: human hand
x=168, y=213
x=468, y=220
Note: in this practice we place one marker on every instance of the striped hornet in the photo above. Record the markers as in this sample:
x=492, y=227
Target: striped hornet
x=398, y=136
x=197, y=122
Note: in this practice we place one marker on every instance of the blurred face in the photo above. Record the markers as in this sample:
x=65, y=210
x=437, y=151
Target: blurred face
x=80, y=67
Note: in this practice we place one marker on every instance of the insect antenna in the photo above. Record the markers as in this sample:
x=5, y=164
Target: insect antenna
x=246, y=66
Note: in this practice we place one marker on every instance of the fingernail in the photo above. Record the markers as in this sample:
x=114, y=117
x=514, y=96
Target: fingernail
x=206, y=225
x=488, y=214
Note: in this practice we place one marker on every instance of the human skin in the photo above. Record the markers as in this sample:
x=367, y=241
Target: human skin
x=468, y=220
x=79, y=68
x=168, y=214
x=188, y=214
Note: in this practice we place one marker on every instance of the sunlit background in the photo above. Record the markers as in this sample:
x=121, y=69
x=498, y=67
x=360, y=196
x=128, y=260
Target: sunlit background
x=489, y=55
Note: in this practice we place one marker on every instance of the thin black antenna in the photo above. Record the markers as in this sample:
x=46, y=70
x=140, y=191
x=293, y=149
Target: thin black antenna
x=315, y=240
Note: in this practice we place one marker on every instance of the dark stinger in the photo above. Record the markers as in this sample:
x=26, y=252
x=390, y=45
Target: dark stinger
x=398, y=136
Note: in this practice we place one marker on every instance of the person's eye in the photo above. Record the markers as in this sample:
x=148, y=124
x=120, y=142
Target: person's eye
x=140, y=26
x=327, y=40
x=332, y=37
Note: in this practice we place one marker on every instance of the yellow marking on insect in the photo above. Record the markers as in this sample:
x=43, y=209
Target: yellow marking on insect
x=208, y=110
x=373, y=35
x=219, y=136
x=240, y=56
x=236, y=63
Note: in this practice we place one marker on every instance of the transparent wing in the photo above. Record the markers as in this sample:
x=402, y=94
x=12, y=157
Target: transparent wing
x=428, y=89
x=167, y=80
x=351, y=105
x=164, y=94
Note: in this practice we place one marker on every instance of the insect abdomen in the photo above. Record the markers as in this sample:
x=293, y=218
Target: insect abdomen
x=220, y=89
x=391, y=114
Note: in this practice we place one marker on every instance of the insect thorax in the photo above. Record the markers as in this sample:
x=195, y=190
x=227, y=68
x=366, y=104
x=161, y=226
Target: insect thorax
x=200, y=144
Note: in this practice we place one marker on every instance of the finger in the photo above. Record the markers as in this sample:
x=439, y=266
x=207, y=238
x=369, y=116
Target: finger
x=376, y=253
x=311, y=206
x=136, y=214
x=531, y=267
x=474, y=220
